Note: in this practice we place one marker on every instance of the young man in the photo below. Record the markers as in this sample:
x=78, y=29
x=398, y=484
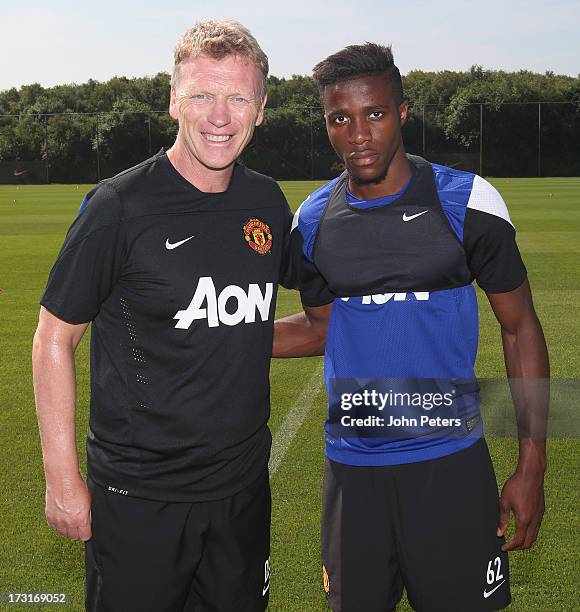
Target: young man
x=176, y=264
x=386, y=255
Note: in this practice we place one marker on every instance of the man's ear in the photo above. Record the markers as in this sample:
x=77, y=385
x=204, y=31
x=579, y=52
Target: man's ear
x=260, y=117
x=403, y=111
x=173, y=104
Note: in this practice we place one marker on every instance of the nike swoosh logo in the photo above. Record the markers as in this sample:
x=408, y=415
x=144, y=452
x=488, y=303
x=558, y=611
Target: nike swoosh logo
x=411, y=217
x=169, y=246
x=486, y=594
x=265, y=589
x=20, y=172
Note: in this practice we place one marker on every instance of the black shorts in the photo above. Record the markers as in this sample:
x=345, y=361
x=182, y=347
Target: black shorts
x=154, y=556
x=429, y=527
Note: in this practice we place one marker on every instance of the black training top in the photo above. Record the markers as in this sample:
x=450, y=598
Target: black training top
x=180, y=286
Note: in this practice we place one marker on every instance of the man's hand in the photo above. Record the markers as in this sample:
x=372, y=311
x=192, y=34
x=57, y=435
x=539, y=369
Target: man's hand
x=68, y=509
x=523, y=494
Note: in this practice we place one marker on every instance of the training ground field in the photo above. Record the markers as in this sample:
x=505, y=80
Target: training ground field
x=33, y=221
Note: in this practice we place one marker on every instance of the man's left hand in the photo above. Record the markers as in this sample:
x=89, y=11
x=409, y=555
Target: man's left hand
x=522, y=494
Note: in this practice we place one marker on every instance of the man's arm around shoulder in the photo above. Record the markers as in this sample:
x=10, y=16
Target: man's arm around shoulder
x=68, y=500
x=302, y=334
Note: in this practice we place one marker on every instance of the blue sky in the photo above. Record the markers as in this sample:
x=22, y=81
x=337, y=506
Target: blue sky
x=63, y=41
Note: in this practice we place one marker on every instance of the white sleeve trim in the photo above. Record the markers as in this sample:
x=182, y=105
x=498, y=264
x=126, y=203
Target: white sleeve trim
x=485, y=198
x=297, y=215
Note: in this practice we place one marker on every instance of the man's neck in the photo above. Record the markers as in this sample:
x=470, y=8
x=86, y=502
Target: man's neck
x=202, y=178
x=397, y=176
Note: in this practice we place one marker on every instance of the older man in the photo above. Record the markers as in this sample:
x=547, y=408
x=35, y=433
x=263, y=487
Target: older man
x=176, y=263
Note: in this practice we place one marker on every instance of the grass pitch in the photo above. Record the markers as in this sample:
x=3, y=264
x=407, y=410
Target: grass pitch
x=33, y=221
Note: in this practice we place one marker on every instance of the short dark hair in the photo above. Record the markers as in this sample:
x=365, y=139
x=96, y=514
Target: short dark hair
x=355, y=61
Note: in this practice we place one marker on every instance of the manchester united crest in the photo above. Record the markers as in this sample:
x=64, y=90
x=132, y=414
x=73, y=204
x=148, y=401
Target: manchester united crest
x=325, y=580
x=257, y=235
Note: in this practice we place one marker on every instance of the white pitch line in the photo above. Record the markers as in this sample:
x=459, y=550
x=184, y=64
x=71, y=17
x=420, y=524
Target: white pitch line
x=294, y=419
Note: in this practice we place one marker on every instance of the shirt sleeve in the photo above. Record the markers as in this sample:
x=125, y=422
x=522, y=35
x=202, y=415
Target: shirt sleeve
x=489, y=239
x=287, y=270
x=90, y=260
x=314, y=290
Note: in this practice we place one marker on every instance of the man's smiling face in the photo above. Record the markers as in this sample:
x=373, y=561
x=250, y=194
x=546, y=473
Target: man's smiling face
x=217, y=103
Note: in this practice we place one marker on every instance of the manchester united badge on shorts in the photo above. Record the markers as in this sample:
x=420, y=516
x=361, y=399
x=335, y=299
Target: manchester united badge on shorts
x=325, y=580
x=257, y=235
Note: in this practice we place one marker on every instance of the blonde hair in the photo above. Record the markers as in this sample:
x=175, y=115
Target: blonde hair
x=219, y=39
